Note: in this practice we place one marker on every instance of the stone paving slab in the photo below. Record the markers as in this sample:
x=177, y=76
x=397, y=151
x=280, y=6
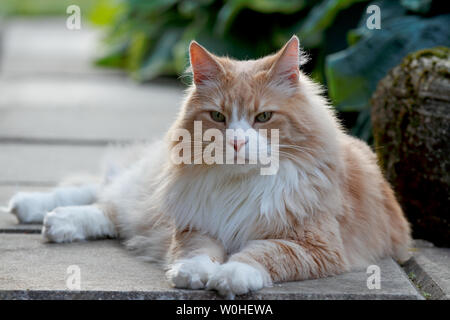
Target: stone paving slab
x=10, y=224
x=43, y=91
x=47, y=46
x=93, y=109
x=46, y=164
x=30, y=268
x=76, y=126
x=429, y=269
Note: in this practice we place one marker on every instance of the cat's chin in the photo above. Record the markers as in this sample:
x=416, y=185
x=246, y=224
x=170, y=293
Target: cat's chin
x=240, y=168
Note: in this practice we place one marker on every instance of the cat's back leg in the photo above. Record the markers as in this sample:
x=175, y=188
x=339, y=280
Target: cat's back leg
x=31, y=207
x=75, y=223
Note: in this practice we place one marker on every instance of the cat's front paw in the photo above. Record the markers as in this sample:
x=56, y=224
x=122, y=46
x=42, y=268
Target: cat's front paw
x=30, y=207
x=235, y=278
x=60, y=226
x=192, y=273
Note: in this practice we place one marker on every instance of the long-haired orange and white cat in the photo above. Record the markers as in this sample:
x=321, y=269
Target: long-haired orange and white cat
x=229, y=228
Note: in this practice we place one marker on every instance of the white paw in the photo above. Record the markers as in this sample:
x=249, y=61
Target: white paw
x=30, y=207
x=234, y=278
x=192, y=273
x=60, y=226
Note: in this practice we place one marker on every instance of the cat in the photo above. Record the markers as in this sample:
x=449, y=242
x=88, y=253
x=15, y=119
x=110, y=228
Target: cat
x=227, y=227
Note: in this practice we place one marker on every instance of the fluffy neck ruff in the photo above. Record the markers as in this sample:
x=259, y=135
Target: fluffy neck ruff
x=237, y=208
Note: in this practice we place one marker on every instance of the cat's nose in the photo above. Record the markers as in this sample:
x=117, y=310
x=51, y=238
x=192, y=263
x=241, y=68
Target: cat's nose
x=238, y=143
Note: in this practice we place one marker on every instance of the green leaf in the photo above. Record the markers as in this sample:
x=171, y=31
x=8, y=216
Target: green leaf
x=136, y=50
x=352, y=74
x=188, y=8
x=160, y=59
x=115, y=58
x=419, y=6
x=276, y=6
x=231, y=9
x=180, y=50
x=227, y=14
x=105, y=11
x=152, y=5
x=320, y=18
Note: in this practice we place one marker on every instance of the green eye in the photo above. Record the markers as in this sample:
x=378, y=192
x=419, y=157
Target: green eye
x=217, y=116
x=263, y=117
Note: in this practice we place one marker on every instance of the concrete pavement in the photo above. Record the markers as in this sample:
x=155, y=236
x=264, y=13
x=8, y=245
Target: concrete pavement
x=31, y=268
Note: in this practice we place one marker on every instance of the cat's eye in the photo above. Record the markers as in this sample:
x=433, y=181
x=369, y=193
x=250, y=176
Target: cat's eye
x=217, y=116
x=263, y=116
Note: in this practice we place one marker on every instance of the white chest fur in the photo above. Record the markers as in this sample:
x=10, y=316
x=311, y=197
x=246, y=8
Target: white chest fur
x=235, y=209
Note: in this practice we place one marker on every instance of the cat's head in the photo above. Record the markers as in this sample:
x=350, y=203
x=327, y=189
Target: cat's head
x=270, y=93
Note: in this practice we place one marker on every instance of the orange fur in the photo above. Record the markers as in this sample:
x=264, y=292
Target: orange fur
x=358, y=219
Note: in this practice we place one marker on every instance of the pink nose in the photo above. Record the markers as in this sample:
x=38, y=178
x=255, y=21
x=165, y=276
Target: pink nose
x=238, y=144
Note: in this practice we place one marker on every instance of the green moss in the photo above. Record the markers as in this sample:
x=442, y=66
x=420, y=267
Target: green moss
x=412, y=276
x=426, y=295
x=439, y=52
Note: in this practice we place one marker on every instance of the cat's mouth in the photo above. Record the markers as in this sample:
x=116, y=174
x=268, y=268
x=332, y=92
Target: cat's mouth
x=249, y=156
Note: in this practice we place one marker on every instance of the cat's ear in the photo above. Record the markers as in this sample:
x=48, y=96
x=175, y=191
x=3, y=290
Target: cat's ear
x=204, y=66
x=286, y=66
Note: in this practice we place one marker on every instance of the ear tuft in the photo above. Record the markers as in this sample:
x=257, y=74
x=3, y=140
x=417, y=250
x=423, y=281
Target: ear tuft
x=286, y=66
x=204, y=66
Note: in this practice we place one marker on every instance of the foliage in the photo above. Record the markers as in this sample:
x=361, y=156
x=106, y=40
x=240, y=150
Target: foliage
x=42, y=7
x=150, y=38
x=352, y=74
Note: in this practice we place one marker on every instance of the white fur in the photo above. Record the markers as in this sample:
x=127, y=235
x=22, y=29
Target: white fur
x=233, y=206
x=240, y=130
x=128, y=189
x=234, y=278
x=67, y=224
x=192, y=273
x=30, y=207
